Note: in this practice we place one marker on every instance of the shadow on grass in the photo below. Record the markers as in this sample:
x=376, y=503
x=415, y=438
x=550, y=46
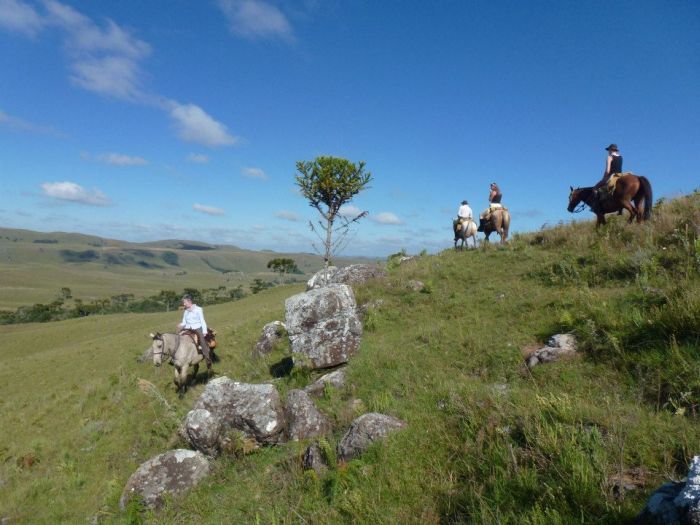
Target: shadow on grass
x=282, y=368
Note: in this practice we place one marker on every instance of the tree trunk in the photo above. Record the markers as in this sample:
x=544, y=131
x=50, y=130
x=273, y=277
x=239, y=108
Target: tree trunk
x=328, y=243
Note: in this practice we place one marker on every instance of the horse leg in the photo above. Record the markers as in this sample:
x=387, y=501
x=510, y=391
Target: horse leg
x=195, y=371
x=183, y=381
x=633, y=212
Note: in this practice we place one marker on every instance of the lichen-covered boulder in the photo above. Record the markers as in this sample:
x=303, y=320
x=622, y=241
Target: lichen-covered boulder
x=675, y=503
x=321, y=278
x=256, y=410
x=323, y=326
x=364, y=431
x=336, y=379
x=203, y=431
x=358, y=274
x=271, y=334
x=304, y=420
x=170, y=474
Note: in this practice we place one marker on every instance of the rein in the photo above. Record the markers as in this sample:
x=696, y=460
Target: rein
x=579, y=207
x=171, y=355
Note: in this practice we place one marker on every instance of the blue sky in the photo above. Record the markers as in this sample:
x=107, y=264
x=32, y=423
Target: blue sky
x=151, y=120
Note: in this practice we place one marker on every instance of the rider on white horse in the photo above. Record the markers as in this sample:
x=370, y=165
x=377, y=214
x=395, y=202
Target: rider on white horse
x=193, y=319
x=464, y=216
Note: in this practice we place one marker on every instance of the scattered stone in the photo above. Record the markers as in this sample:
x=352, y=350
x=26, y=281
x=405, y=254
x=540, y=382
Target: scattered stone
x=271, y=334
x=304, y=420
x=364, y=431
x=256, y=410
x=323, y=326
x=336, y=379
x=558, y=346
x=203, y=431
x=314, y=459
x=415, y=285
x=675, y=503
x=171, y=474
x=321, y=278
x=407, y=258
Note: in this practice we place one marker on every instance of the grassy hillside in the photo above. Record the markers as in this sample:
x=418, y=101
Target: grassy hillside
x=488, y=441
x=34, y=266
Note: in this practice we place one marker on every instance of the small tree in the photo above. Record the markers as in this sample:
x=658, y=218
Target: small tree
x=283, y=265
x=328, y=183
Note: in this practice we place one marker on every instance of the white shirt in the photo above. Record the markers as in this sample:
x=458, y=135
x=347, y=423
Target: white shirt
x=465, y=212
x=194, y=318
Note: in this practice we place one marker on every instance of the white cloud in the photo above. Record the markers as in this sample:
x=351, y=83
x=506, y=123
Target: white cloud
x=113, y=76
x=349, y=211
x=20, y=17
x=198, y=158
x=18, y=124
x=288, y=216
x=385, y=217
x=116, y=159
x=209, y=210
x=254, y=173
x=255, y=19
x=70, y=191
x=195, y=125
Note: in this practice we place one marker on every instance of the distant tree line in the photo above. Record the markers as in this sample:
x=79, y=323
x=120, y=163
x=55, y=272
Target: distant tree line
x=163, y=301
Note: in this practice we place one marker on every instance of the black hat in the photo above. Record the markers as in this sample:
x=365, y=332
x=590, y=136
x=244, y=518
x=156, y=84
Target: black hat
x=465, y=202
x=612, y=147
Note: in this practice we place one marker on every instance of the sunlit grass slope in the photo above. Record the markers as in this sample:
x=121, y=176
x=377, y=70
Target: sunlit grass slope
x=487, y=441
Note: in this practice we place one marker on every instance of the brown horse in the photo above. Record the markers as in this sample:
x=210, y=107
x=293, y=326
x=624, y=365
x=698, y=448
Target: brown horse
x=628, y=189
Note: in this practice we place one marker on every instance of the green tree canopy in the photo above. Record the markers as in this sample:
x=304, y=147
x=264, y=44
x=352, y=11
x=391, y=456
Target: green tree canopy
x=283, y=265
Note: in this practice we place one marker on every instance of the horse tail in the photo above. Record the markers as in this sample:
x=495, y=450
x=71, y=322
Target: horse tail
x=648, y=197
x=505, y=223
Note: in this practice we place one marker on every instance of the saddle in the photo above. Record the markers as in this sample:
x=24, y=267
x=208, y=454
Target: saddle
x=210, y=338
x=459, y=223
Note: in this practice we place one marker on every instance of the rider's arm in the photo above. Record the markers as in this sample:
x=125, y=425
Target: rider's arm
x=184, y=322
x=607, y=167
x=201, y=320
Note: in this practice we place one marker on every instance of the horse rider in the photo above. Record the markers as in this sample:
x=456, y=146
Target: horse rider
x=193, y=319
x=495, y=197
x=464, y=215
x=613, y=165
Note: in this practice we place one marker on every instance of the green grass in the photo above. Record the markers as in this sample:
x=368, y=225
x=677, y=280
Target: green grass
x=487, y=441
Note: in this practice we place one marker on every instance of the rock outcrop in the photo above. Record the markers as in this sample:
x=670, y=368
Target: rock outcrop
x=271, y=334
x=558, y=346
x=321, y=278
x=364, y=431
x=314, y=459
x=351, y=275
x=170, y=474
x=203, y=431
x=255, y=410
x=303, y=419
x=323, y=326
x=336, y=379
x=675, y=503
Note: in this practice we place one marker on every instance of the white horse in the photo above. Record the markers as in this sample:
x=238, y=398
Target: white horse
x=467, y=230
x=181, y=352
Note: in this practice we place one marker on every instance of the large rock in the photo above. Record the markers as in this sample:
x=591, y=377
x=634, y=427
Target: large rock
x=558, y=346
x=304, y=420
x=203, y=431
x=170, y=474
x=323, y=326
x=336, y=379
x=675, y=503
x=364, y=431
x=256, y=410
x=321, y=278
x=351, y=275
x=271, y=334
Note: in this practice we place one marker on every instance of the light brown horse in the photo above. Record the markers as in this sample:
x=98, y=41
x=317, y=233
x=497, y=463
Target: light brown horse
x=181, y=351
x=467, y=229
x=498, y=222
x=629, y=189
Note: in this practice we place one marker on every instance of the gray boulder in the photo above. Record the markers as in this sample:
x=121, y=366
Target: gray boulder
x=321, y=278
x=415, y=285
x=256, y=410
x=271, y=334
x=314, y=459
x=323, y=326
x=558, y=346
x=358, y=274
x=203, y=431
x=304, y=420
x=336, y=379
x=170, y=474
x=675, y=503
x=364, y=431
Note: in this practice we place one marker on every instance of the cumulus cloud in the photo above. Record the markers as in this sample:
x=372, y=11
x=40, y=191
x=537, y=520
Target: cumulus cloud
x=198, y=158
x=349, y=211
x=288, y=216
x=20, y=17
x=72, y=192
x=107, y=59
x=209, y=210
x=255, y=19
x=386, y=217
x=254, y=173
x=193, y=124
x=116, y=159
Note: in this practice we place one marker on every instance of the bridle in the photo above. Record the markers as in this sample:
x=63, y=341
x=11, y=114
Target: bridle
x=580, y=206
x=159, y=337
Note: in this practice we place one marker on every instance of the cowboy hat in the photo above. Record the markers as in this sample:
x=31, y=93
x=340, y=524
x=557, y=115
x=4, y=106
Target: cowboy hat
x=612, y=147
x=464, y=202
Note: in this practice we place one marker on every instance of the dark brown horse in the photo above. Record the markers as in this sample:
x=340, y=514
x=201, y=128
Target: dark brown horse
x=628, y=190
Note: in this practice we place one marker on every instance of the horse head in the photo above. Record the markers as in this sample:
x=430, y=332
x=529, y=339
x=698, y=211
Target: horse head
x=574, y=199
x=157, y=348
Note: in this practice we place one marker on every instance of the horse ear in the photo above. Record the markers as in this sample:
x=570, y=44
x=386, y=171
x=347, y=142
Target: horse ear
x=572, y=188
